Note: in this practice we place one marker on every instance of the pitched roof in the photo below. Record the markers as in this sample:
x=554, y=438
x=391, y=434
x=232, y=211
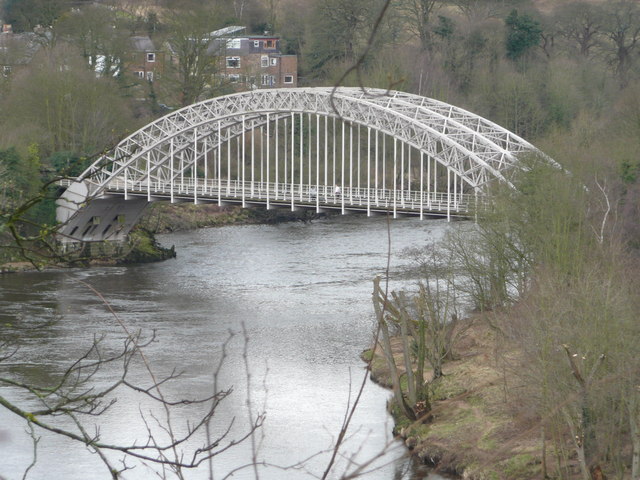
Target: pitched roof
x=19, y=48
x=226, y=31
x=142, y=43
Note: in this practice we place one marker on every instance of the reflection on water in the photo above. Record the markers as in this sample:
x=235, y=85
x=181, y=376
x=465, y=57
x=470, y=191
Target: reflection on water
x=302, y=292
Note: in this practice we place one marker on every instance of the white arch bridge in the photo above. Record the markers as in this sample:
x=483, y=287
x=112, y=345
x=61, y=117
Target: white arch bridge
x=348, y=149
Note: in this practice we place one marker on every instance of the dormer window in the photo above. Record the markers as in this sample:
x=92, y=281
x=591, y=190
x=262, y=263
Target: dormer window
x=256, y=43
x=234, y=43
x=151, y=57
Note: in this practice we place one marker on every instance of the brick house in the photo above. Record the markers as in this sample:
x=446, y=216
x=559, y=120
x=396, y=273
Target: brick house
x=144, y=60
x=254, y=61
x=17, y=49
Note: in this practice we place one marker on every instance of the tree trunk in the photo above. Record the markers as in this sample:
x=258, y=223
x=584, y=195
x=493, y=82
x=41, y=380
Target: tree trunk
x=578, y=443
x=544, y=452
x=386, y=347
x=634, y=423
x=420, y=361
x=406, y=352
x=584, y=437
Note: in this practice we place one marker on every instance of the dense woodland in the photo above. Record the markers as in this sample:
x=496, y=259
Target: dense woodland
x=556, y=262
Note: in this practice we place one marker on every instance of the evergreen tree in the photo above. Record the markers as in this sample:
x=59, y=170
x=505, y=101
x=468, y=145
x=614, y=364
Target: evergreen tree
x=523, y=33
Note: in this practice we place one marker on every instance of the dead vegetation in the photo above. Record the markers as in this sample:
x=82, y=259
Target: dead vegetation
x=471, y=429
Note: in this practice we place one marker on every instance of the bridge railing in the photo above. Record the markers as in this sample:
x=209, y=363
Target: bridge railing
x=407, y=199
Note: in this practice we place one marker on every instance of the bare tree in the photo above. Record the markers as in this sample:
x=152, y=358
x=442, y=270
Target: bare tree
x=273, y=8
x=381, y=304
x=197, y=56
x=580, y=23
x=60, y=104
x=101, y=36
x=426, y=326
x=436, y=307
x=74, y=396
x=580, y=420
x=238, y=8
x=633, y=410
x=622, y=28
x=417, y=15
x=478, y=10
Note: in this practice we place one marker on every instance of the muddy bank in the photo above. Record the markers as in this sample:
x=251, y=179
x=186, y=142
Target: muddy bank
x=141, y=247
x=470, y=431
x=166, y=218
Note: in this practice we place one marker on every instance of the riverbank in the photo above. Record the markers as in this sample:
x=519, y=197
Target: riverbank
x=141, y=247
x=167, y=218
x=471, y=432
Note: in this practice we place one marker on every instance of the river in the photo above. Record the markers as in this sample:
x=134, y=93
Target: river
x=302, y=294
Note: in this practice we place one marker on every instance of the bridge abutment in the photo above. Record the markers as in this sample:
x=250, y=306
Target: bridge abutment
x=109, y=218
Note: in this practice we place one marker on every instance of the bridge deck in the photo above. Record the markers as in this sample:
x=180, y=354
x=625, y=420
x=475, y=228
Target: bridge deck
x=370, y=200
x=119, y=205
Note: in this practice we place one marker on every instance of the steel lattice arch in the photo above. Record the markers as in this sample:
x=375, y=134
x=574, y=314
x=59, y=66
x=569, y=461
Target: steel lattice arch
x=346, y=148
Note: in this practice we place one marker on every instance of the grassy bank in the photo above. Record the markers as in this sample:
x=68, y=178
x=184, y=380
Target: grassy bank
x=470, y=431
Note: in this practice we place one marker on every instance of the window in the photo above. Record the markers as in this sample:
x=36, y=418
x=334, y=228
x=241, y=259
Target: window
x=268, y=80
x=264, y=61
x=269, y=43
x=151, y=57
x=233, y=62
x=274, y=62
x=150, y=76
x=234, y=78
x=256, y=43
x=6, y=70
x=233, y=43
x=288, y=79
x=139, y=74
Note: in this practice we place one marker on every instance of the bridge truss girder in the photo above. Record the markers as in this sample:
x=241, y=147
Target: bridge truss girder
x=472, y=150
x=470, y=146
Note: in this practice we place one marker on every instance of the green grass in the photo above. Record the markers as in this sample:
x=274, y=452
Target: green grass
x=367, y=355
x=487, y=443
x=449, y=426
x=446, y=387
x=523, y=465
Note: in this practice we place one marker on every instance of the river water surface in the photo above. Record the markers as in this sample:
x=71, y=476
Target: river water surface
x=302, y=294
